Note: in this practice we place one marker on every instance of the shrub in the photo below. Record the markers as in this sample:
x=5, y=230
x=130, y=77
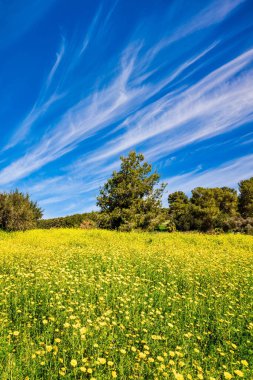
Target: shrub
x=18, y=212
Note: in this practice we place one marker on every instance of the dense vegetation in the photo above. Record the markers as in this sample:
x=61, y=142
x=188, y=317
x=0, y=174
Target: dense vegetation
x=212, y=209
x=132, y=200
x=18, y=212
x=70, y=221
x=101, y=305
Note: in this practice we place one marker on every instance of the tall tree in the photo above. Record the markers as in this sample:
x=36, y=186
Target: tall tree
x=210, y=207
x=246, y=197
x=131, y=198
x=179, y=210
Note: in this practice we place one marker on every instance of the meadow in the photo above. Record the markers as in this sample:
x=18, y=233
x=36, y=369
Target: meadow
x=78, y=304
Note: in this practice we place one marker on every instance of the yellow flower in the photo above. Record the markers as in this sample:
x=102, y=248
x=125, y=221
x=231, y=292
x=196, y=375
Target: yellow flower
x=178, y=376
x=83, y=330
x=73, y=363
x=244, y=363
x=160, y=358
x=110, y=363
x=114, y=374
x=62, y=371
x=142, y=355
x=89, y=370
x=101, y=360
x=49, y=348
x=82, y=369
x=123, y=351
x=16, y=333
x=227, y=375
x=239, y=373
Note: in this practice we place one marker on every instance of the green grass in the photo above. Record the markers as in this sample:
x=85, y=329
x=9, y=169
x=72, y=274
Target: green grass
x=80, y=304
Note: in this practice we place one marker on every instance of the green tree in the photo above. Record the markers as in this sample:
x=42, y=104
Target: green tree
x=211, y=207
x=131, y=198
x=246, y=197
x=179, y=210
x=18, y=212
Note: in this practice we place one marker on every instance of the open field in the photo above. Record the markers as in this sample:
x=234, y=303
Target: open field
x=100, y=305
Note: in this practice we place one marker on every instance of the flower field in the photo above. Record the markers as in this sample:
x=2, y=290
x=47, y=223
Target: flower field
x=78, y=304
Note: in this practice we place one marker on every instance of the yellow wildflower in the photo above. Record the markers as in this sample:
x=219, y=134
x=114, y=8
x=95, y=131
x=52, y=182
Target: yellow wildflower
x=227, y=375
x=73, y=363
x=239, y=373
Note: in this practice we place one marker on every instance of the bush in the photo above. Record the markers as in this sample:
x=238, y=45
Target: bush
x=18, y=212
x=239, y=224
x=87, y=224
x=167, y=226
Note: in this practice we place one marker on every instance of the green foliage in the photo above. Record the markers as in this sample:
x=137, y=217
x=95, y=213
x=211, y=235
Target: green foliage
x=179, y=210
x=83, y=305
x=18, y=212
x=239, y=224
x=167, y=226
x=210, y=207
x=206, y=210
x=246, y=197
x=70, y=221
x=130, y=198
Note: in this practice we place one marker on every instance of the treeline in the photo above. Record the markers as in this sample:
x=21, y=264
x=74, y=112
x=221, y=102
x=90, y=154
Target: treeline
x=85, y=220
x=213, y=209
x=131, y=199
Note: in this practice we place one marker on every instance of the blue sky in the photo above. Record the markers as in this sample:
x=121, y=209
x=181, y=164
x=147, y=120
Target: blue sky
x=83, y=82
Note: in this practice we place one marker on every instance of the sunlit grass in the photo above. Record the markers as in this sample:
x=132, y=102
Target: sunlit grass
x=101, y=305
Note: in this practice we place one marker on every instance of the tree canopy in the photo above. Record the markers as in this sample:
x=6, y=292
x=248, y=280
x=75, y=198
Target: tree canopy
x=131, y=198
x=18, y=211
x=246, y=197
x=206, y=209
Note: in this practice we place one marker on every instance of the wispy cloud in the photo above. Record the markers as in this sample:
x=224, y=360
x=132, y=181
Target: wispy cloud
x=210, y=15
x=219, y=102
x=45, y=100
x=228, y=174
x=141, y=97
